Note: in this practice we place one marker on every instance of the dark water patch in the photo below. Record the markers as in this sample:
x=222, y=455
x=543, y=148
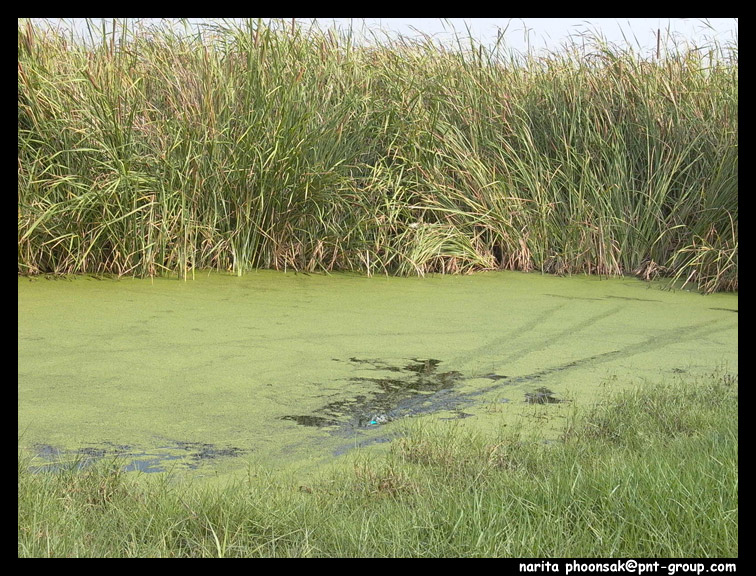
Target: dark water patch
x=186, y=454
x=57, y=460
x=494, y=377
x=542, y=395
x=423, y=367
x=47, y=451
x=118, y=448
x=417, y=388
x=387, y=385
x=380, y=364
x=96, y=453
x=151, y=463
x=314, y=421
x=204, y=451
x=414, y=388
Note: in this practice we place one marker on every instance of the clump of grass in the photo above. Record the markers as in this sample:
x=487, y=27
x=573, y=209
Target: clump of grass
x=650, y=472
x=144, y=151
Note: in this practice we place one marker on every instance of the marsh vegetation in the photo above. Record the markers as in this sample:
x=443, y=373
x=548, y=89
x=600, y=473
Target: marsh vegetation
x=143, y=151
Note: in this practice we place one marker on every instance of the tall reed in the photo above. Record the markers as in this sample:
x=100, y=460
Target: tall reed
x=142, y=150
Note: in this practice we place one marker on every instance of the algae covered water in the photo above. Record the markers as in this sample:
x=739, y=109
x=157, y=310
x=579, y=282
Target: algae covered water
x=209, y=375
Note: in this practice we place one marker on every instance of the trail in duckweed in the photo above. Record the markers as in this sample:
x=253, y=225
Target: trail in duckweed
x=206, y=375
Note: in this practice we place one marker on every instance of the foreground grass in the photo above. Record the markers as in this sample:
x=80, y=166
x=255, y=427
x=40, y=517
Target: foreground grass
x=650, y=472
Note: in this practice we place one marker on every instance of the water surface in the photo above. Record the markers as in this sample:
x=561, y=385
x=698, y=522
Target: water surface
x=207, y=375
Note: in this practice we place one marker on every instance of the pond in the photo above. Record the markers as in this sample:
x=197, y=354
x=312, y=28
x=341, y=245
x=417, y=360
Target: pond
x=293, y=371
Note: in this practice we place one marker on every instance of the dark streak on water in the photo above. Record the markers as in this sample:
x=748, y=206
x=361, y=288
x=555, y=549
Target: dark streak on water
x=572, y=297
x=634, y=299
x=416, y=388
x=603, y=298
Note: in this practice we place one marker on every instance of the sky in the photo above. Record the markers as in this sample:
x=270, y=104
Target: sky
x=524, y=34
x=550, y=33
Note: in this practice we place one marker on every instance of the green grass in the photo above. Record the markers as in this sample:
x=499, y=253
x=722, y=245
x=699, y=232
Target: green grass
x=142, y=151
x=648, y=472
